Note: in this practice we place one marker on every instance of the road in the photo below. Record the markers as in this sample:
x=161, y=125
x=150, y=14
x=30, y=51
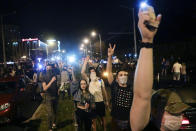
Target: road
x=65, y=114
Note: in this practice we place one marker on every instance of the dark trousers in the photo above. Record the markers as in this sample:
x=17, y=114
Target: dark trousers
x=118, y=125
x=51, y=108
x=83, y=120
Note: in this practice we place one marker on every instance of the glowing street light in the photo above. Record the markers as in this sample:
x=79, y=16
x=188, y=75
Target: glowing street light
x=93, y=34
x=81, y=48
x=51, y=42
x=82, y=45
x=86, y=40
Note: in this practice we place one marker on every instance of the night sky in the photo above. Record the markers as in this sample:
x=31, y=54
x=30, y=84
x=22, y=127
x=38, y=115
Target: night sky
x=71, y=20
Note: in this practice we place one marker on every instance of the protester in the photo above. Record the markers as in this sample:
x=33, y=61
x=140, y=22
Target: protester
x=85, y=104
x=143, y=80
x=121, y=93
x=183, y=73
x=163, y=67
x=35, y=77
x=97, y=89
x=49, y=84
x=167, y=107
x=177, y=68
x=65, y=83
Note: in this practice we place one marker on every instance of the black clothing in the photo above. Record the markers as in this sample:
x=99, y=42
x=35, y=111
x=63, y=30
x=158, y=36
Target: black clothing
x=151, y=127
x=122, y=98
x=51, y=108
x=84, y=118
x=56, y=71
x=53, y=89
x=50, y=98
x=100, y=109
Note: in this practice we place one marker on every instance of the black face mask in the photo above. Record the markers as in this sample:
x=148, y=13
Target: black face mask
x=49, y=73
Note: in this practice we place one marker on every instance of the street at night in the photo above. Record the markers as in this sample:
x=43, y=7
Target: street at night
x=115, y=65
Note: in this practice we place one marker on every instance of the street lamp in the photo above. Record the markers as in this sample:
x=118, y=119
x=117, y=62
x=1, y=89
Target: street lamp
x=93, y=34
x=51, y=42
x=86, y=40
x=83, y=48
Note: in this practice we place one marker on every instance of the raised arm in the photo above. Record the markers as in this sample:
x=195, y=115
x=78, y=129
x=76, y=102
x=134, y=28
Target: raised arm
x=73, y=75
x=143, y=80
x=46, y=86
x=83, y=72
x=109, y=63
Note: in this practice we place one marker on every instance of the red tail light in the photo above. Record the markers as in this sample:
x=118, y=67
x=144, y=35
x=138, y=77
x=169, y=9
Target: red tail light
x=185, y=121
x=21, y=89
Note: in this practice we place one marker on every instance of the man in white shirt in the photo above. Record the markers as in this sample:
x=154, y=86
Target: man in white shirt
x=177, y=69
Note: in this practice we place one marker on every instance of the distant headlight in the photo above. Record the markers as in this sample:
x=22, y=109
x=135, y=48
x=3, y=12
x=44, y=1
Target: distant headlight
x=4, y=106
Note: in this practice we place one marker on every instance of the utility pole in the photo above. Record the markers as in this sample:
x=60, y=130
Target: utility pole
x=100, y=45
x=3, y=42
x=134, y=31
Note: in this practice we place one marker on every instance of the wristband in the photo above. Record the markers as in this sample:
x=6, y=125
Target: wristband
x=146, y=45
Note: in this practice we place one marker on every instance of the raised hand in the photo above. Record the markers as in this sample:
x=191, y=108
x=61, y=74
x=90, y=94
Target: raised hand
x=53, y=78
x=87, y=58
x=147, y=35
x=111, y=49
x=86, y=106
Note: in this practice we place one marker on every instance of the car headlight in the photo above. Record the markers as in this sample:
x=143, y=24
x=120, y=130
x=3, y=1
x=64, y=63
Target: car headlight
x=4, y=106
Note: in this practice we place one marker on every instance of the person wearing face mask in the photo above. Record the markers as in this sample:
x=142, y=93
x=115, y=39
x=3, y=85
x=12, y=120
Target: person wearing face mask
x=64, y=81
x=121, y=93
x=97, y=89
x=166, y=110
x=50, y=89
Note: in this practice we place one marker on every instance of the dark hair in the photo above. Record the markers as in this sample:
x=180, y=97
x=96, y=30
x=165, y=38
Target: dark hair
x=86, y=85
x=158, y=104
x=91, y=68
x=52, y=65
x=124, y=67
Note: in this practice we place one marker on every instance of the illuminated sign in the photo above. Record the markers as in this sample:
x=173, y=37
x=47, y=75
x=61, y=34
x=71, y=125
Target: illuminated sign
x=30, y=39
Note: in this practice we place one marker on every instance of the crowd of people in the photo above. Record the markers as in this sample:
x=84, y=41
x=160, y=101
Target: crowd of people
x=178, y=69
x=130, y=100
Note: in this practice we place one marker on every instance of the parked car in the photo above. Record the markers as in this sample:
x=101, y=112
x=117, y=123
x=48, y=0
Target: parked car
x=178, y=101
x=189, y=116
x=12, y=96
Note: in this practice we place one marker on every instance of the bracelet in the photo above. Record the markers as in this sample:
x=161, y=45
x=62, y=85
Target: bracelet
x=146, y=45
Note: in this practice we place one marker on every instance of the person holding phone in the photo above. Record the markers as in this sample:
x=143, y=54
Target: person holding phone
x=143, y=80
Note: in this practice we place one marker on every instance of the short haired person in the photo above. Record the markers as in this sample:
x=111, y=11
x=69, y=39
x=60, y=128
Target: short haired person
x=177, y=69
x=50, y=88
x=97, y=89
x=143, y=80
x=121, y=93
